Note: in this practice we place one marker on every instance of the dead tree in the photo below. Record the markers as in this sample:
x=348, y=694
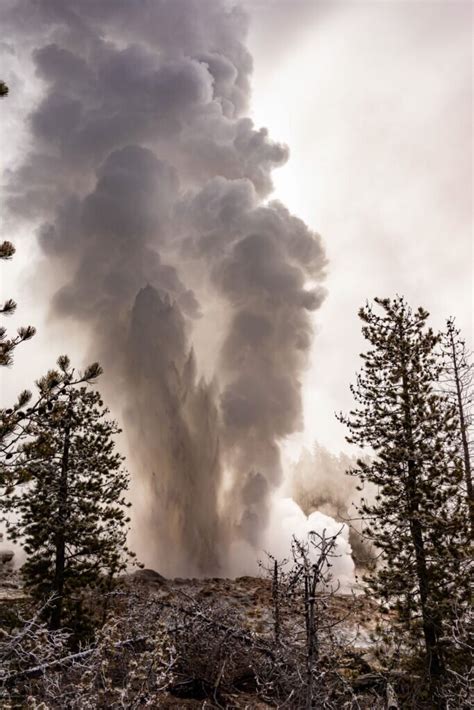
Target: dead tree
x=128, y=665
x=311, y=572
x=313, y=649
x=275, y=569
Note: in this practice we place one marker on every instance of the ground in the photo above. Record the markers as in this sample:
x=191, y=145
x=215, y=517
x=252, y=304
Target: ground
x=242, y=608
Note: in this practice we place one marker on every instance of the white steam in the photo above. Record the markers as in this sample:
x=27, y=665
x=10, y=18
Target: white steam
x=287, y=521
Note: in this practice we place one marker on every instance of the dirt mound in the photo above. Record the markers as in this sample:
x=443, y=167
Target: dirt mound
x=148, y=576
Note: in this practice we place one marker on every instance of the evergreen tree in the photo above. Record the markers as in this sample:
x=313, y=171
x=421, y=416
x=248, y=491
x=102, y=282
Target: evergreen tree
x=7, y=345
x=11, y=418
x=458, y=379
x=16, y=422
x=416, y=519
x=70, y=513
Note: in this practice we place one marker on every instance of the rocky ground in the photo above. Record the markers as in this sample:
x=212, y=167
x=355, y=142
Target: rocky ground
x=250, y=600
x=244, y=606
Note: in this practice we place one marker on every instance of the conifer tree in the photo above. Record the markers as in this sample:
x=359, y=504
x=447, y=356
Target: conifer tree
x=458, y=383
x=417, y=519
x=7, y=345
x=16, y=421
x=70, y=513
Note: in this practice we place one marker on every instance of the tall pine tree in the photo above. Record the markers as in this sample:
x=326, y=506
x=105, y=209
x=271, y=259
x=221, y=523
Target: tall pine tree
x=458, y=383
x=69, y=511
x=417, y=519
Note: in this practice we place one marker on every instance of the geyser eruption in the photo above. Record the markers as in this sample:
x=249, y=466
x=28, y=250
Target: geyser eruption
x=148, y=185
x=173, y=426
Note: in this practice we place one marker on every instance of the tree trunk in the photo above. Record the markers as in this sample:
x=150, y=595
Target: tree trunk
x=309, y=646
x=430, y=631
x=430, y=625
x=60, y=555
x=311, y=580
x=276, y=601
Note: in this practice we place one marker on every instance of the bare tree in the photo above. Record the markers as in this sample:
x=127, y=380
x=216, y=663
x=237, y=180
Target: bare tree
x=275, y=570
x=458, y=689
x=311, y=644
x=311, y=571
x=128, y=665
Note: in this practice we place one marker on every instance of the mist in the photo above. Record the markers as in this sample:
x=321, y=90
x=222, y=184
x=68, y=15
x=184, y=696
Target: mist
x=321, y=482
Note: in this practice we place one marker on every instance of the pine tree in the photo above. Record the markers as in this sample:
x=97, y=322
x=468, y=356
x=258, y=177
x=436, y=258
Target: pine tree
x=7, y=345
x=11, y=426
x=70, y=513
x=16, y=421
x=7, y=250
x=458, y=383
x=416, y=519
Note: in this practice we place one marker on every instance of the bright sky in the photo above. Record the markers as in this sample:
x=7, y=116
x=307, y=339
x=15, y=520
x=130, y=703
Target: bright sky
x=375, y=102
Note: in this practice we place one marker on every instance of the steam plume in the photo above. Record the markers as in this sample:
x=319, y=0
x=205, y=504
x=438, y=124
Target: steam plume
x=320, y=482
x=147, y=182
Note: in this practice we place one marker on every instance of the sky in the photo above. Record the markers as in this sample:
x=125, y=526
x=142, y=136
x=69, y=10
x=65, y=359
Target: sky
x=374, y=100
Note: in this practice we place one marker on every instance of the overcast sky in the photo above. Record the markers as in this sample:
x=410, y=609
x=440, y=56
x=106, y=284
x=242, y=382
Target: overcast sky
x=374, y=100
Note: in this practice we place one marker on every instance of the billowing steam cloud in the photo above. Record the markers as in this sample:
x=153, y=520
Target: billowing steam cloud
x=149, y=186
x=320, y=482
